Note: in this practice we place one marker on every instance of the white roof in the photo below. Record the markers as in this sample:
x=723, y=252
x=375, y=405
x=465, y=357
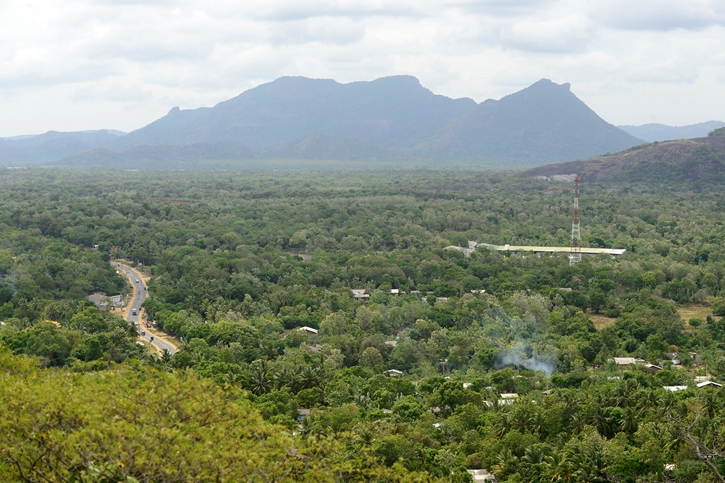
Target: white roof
x=708, y=383
x=357, y=291
x=391, y=343
x=394, y=371
x=585, y=250
x=479, y=476
x=308, y=329
x=675, y=388
x=624, y=361
x=509, y=395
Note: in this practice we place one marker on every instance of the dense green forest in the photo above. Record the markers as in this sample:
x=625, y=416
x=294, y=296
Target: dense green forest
x=506, y=359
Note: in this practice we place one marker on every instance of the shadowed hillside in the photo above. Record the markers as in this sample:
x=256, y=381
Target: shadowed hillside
x=544, y=122
x=700, y=159
x=390, y=111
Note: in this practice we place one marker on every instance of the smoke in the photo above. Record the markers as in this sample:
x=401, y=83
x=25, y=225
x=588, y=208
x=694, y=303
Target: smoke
x=516, y=356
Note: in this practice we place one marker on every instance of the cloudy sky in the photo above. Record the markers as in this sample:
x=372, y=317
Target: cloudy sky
x=120, y=64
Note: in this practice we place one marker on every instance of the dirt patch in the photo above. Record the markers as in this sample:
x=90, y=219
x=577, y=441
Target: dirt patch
x=601, y=321
x=695, y=311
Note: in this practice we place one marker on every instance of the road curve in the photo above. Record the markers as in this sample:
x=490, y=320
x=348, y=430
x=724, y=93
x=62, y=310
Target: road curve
x=139, y=296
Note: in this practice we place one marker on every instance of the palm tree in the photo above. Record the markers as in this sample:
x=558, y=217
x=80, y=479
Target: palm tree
x=630, y=418
x=285, y=377
x=534, y=462
x=577, y=423
x=309, y=377
x=260, y=382
x=559, y=467
x=165, y=356
x=503, y=425
x=600, y=419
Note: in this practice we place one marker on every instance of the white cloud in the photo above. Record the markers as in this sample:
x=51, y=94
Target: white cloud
x=121, y=64
x=662, y=15
x=572, y=33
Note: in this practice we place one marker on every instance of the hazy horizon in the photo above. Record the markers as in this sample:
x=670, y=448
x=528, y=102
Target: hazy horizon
x=122, y=64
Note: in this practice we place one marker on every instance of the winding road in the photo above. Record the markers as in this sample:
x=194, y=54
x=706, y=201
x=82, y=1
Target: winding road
x=139, y=296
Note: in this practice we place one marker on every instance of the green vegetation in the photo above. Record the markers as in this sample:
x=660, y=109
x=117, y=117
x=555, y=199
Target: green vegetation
x=718, y=132
x=662, y=163
x=240, y=262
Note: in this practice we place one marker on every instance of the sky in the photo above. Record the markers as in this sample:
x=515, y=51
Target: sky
x=93, y=64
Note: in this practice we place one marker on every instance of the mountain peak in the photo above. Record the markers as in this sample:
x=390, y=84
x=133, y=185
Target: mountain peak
x=549, y=84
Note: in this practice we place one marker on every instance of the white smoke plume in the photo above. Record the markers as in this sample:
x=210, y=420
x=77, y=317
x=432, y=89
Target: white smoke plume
x=516, y=356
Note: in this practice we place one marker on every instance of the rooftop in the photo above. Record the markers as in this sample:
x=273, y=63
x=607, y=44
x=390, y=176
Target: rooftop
x=535, y=249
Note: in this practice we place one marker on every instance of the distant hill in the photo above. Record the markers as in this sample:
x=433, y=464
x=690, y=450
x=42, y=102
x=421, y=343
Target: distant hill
x=322, y=146
x=187, y=156
x=391, y=111
x=662, y=132
x=700, y=159
x=393, y=118
x=542, y=123
x=51, y=146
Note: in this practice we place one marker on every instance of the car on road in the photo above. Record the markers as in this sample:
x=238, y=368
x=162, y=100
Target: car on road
x=133, y=312
x=138, y=281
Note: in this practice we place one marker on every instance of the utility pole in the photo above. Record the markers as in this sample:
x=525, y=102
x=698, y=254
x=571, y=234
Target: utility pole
x=575, y=255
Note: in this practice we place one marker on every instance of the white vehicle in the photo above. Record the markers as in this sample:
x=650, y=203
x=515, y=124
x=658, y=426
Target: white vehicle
x=138, y=281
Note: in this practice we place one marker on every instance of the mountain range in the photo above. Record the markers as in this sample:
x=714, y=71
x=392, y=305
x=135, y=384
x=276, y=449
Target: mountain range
x=393, y=119
x=661, y=132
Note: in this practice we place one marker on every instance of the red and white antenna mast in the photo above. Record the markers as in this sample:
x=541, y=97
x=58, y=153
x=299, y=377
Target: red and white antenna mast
x=575, y=255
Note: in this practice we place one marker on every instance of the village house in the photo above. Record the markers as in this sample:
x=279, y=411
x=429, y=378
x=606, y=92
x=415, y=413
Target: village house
x=626, y=361
x=708, y=384
x=100, y=300
x=393, y=373
x=359, y=294
x=481, y=476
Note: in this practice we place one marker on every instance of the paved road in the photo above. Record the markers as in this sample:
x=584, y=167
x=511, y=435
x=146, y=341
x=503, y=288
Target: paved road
x=139, y=298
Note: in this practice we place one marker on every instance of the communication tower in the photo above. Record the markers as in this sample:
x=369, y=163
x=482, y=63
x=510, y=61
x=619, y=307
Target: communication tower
x=575, y=255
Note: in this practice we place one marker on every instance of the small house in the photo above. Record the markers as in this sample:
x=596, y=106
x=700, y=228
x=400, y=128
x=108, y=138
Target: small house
x=393, y=373
x=303, y=413
x=100, y=300
x=481, y=476
x=359, y=294
x=391, y=343
x=708, y=384
x=394, y=291
x=675, y=388
x=652, y=369
x=309, y=330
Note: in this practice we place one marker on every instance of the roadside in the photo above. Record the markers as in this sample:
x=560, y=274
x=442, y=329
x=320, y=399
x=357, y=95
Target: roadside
x=159, y=337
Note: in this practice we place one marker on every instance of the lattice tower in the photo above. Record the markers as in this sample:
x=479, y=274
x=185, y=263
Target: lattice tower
x=575, y=255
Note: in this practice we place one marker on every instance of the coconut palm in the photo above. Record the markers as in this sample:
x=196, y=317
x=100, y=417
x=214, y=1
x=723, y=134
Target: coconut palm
x=260, y=382
x=309, y=377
